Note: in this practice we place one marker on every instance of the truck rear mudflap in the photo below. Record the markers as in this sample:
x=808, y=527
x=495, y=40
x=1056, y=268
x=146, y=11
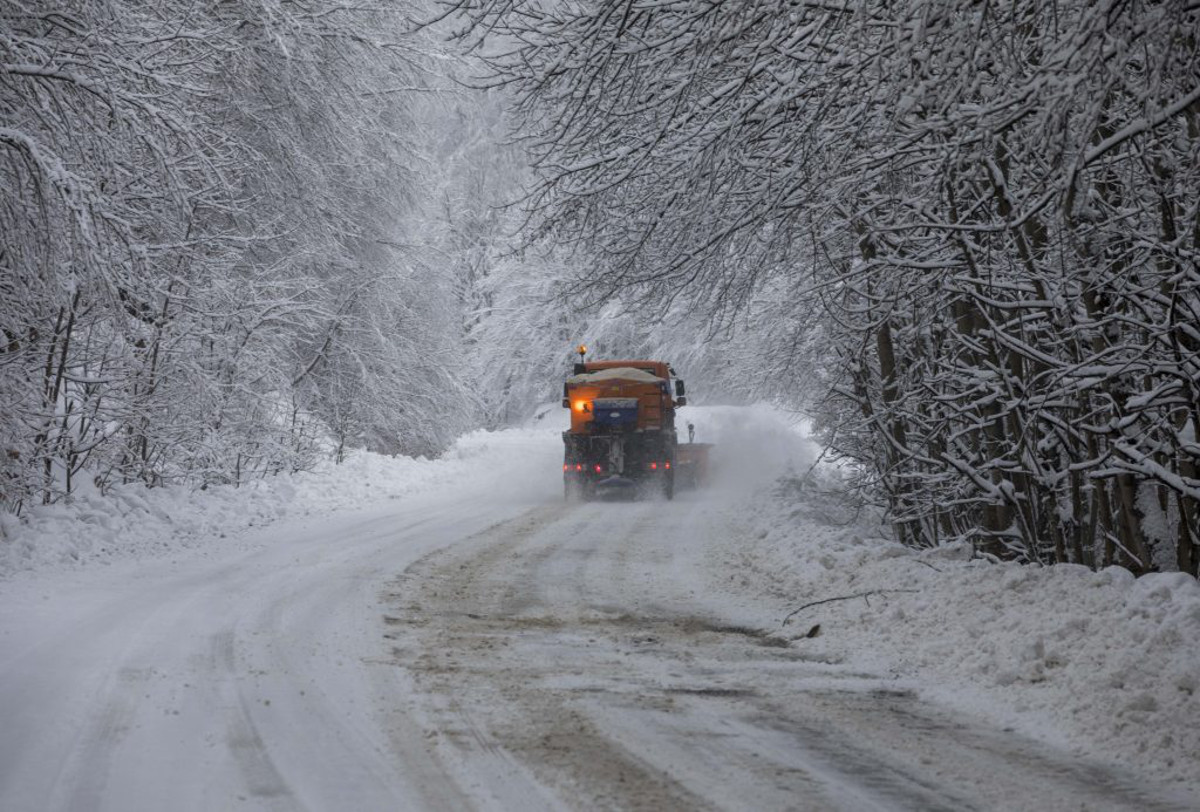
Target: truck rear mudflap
x=586, y=486
x=616, y=487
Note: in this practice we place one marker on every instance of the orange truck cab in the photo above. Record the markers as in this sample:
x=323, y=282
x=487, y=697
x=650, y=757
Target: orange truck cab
x=622, y=436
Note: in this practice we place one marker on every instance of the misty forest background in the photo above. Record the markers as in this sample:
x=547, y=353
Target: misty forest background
x=243, y=236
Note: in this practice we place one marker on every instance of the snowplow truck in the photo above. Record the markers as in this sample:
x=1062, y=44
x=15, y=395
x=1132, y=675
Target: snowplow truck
x=622, y=438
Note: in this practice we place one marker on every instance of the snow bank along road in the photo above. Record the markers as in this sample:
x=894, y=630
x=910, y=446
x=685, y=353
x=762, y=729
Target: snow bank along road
x=470, y=649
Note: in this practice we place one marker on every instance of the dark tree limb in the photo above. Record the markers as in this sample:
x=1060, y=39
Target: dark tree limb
x=863, y=595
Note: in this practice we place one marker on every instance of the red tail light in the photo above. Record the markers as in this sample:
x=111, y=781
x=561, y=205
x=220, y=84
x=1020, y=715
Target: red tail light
x=566, y=467
x=599, y=468
x=578, y=466
x=668, y=465
x=654, y=466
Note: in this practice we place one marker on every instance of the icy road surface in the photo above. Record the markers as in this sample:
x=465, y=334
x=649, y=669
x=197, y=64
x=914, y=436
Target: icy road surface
x=467, y=648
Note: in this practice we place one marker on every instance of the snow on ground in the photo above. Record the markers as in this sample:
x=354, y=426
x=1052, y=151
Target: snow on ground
x=1100, y=662
x=134, y=522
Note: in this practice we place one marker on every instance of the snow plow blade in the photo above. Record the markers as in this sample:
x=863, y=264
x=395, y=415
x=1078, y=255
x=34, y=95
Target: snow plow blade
x=691, y=464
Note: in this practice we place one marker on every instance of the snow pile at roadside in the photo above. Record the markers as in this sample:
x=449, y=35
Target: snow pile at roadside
x=1100, y=662
x=132, y=521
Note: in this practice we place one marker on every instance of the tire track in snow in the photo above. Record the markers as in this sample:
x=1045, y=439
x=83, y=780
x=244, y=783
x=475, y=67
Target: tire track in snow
x=580, y=650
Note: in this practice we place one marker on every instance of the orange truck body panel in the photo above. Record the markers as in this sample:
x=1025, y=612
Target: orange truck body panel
x=656, y=408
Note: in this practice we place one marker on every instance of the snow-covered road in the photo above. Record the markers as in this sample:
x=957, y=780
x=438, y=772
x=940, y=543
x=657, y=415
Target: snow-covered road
x=479, y=645
x=590, y=658
x=198, y=686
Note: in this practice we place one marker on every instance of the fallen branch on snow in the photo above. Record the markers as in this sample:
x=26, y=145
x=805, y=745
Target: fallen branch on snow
x=864, y=595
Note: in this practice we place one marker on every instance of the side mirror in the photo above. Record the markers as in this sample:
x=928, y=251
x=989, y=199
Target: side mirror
x=566, y=403
x=681, y=401
x=679, y=390
x=580, y=369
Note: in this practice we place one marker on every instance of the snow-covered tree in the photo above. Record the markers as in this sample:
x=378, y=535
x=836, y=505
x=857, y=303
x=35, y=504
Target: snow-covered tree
x=991, y=208
x=203, y=211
